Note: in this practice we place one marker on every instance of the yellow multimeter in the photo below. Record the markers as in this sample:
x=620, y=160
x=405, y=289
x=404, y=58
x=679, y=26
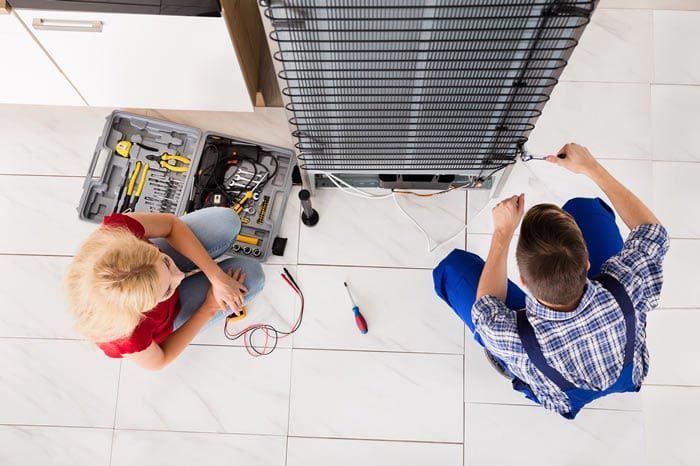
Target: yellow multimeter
x=231, y=318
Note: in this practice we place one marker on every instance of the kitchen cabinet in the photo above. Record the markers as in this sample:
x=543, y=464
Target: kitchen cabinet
x=144, y=61
x=27, y=74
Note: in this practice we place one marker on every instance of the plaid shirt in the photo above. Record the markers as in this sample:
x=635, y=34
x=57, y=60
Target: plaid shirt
x=585, y=345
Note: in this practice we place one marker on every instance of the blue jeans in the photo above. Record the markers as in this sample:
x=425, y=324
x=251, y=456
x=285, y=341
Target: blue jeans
x=457, y=276
x=216, y=228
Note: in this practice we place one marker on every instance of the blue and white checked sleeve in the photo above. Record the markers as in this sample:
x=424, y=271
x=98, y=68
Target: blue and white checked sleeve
x=639, y=266
x=496, y=324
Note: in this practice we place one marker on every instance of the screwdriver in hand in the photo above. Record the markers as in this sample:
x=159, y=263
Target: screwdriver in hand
x=359, y=319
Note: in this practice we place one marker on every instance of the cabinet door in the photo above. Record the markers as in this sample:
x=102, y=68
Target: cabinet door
x=147, y=61
x=27, y=74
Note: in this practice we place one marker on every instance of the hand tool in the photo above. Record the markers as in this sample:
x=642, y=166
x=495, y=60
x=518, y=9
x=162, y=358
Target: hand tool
x=359, y=319
x=238, y=207
x=144, y=146
x=130, y=187
x=139, y=189
x=263, y=209
x=250, y=211
x=169, y=162
x=123, y=148
x=248, y=239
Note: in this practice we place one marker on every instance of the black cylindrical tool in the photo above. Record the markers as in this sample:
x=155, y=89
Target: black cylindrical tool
x=308, y=215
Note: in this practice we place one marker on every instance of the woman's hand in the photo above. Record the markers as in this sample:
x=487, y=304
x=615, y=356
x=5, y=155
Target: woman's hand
x=228, y=290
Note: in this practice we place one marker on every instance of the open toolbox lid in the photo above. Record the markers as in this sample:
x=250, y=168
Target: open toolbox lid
x=108, y=170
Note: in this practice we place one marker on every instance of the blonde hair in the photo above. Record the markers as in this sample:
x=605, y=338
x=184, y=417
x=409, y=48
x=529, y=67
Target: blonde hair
x=111, y=283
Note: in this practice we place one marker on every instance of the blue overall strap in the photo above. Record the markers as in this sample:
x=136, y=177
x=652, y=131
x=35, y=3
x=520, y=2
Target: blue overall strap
x=623, y=300
x=534, y=352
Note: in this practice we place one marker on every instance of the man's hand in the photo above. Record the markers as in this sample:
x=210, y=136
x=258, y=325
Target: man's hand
x=577, y=159
x=228, y=289
x=508, y=213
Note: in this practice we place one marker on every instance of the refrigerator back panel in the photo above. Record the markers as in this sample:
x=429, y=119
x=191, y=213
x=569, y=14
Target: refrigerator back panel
x=419, y=86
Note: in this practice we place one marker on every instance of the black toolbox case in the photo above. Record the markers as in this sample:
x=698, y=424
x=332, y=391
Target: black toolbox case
x=109, y=172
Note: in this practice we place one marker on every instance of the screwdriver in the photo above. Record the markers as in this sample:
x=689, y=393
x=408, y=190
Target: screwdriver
x=359, y=319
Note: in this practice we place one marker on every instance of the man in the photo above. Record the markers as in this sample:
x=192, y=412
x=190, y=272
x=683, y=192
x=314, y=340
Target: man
x=581, y=335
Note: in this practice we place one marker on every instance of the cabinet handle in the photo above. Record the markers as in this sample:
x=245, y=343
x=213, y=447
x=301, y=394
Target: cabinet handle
x=43, y=24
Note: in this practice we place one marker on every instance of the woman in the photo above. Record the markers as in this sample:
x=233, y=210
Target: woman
x=127, y=287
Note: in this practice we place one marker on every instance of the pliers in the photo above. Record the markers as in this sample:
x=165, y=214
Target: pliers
x=169, y=162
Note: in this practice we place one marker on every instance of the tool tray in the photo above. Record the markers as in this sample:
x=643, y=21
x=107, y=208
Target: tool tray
x=239, y=166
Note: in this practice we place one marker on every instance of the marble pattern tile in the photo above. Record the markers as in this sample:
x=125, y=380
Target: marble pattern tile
x=686, y=5
x=276, y=305
x=482, y=384
x=681, y=274
x=529, y=435
x=55, y=446
x=675, y=119
x=364, y=232
x=367, y=395
x=676, y=61
x=651, y=4
x=49, y=140
x=671, y=425
x=545, y=182
x=614, y=47
x=208, y=389
x=40, y=215
x=612, y=119
x=32, y=302
x=53, y=382
x=635, y=4
x=672, y=343
x=341, y=452
x=142, y=448
x=675, y=191
x=403, y=312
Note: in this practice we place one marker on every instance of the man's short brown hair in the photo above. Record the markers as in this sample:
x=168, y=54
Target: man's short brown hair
x=552, y=255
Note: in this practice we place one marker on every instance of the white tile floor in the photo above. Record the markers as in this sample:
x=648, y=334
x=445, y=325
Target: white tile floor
x=415, y=390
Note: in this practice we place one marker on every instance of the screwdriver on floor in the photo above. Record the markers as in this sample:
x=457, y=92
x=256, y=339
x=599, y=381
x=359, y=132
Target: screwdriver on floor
x=359, y=319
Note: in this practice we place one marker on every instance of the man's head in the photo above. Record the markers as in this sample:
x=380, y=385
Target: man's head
x=552, y=255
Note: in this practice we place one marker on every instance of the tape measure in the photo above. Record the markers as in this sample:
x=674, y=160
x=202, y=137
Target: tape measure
x=123, y=148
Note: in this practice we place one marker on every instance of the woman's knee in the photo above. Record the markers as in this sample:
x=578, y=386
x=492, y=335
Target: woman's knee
x=215, y=227
x=254, y=274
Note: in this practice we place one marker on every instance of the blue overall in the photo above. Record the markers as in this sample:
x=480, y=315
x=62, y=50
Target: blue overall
x=457, y=277
x=579, y=397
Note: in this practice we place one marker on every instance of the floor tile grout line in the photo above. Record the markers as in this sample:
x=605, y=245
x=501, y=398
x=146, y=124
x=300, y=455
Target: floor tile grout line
x=289, y=406
x=116, y=407
x=534, y=406
x=367, y=439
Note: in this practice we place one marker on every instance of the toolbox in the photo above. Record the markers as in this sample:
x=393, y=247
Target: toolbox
x=143, y=164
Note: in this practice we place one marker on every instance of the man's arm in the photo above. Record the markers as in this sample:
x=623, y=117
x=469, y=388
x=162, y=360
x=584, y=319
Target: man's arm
x=579, y=160
x=494, y=278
